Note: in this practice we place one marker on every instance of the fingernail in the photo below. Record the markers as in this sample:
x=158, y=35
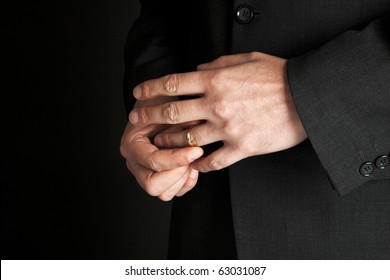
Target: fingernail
x=200, y=66
x=193, y=173
x=195, y=154
x=133, y=118
x=194, y=166
x=137, y=92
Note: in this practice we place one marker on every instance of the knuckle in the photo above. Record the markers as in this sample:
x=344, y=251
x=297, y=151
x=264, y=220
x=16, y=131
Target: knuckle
x=253, y=55
x=152, y=164
x=123, y=151
x=170, y=113
x=232, y=130
x=215, y=164
x=218, y=109
x=142, y=116
x=168, y=141
x=145, y=89
x=163, y=139
x=171, y=83
x=217, y=79
x=220, y=59
x=129, y=166
x=125, y=146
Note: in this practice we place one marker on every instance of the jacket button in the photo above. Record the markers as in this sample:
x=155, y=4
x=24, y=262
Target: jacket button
x=366, y=169
x=382, y=162
x=244, y=14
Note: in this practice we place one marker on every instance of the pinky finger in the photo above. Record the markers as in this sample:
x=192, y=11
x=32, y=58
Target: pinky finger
x=219, y=159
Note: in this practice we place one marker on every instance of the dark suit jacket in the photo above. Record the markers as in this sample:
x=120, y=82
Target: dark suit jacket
x=316, y=200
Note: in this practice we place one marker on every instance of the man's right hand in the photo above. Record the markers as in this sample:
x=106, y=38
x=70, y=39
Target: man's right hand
x=160, y=172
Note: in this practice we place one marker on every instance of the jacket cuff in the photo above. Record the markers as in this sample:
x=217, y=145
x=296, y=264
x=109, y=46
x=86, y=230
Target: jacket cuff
x=342, y=95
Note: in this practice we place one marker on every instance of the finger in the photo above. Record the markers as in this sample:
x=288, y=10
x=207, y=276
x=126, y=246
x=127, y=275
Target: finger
x=229, y=60
x=169, y=113
x=219, y=159
x=191, y=123
x=201, y=135
x=190, y=183
x=190, y=83
x=150, y=157
x=172, y=191
x=155, y=183
x=172, y=128
x=179, y=127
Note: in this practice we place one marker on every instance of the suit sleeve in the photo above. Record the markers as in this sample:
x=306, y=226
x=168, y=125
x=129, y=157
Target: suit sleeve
x=342, y=94
x=152, y=48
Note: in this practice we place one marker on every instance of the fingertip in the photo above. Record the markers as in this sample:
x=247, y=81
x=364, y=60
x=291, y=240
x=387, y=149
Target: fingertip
x=158, y=141
x=195, y=153
x=199, y=165
x=137, y=92
x=133, y=117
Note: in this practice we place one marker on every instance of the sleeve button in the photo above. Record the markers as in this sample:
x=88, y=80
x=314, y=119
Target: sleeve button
x=366, y=169
x=382, y=162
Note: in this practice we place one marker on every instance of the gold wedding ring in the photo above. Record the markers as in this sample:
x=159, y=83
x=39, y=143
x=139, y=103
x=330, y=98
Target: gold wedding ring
x=189, y=137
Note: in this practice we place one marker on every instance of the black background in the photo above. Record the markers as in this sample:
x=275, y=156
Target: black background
x=66, y=193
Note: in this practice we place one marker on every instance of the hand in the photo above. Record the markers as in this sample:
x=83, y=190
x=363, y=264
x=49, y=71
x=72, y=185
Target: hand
x=244, y=101
x=163, y=173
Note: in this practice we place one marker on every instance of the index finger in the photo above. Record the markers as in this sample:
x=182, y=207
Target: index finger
x=151, y=157
x=190, y=83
